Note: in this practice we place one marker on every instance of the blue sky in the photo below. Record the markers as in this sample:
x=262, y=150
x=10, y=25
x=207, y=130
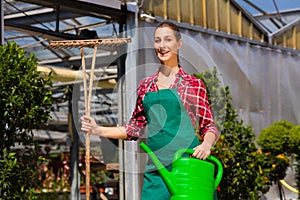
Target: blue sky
x=268, y=5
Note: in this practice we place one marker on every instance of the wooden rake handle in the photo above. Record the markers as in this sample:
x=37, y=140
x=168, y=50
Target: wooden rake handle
x=87, y=102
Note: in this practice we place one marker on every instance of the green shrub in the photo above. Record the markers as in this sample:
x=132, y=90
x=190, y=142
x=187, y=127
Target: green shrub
x=282, y=139
x=294, y=147
x=294, y=140
x=18, y=174
x=276, y=138
x=26, y=100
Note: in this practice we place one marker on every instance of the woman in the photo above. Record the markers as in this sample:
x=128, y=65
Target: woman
x=175, y=107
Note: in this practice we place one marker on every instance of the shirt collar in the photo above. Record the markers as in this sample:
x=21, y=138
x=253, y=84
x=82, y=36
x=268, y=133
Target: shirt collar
x=183, y=74
x=180, y=73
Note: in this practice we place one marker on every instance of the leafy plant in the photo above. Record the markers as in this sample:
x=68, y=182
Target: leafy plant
x=25, y=105
x=18, y=174
x=276, y=138
x=25, y=96
x=294, y=145
x=282, y=138
x=294, y=140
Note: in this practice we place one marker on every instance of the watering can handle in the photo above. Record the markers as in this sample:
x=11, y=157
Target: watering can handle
x=210, y=158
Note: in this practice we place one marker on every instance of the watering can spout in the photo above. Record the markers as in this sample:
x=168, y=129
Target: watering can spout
x=165, y=174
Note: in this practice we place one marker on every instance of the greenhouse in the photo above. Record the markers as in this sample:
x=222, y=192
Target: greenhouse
x=106, y=47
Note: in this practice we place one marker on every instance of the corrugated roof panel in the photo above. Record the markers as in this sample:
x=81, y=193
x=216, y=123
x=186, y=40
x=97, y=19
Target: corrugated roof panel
x=298, y=37
x=289, y=36
x=220, y=15
x=186, y=11
x=224, y=13
x=235, y=21
x=199, y=12
x=171, y=11
x=258, y=35
x=212, y=15
x=247, y=29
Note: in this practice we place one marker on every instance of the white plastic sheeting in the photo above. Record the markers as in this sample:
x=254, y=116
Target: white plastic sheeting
x=263, y=82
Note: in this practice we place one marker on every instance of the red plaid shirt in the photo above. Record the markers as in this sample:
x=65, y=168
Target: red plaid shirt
x=193, y=94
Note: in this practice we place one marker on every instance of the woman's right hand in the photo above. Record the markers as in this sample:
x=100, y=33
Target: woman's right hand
x=88, y=124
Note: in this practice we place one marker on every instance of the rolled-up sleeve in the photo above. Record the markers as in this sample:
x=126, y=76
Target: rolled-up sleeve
x=135, y=127
x=206, y=122
x=194, y=96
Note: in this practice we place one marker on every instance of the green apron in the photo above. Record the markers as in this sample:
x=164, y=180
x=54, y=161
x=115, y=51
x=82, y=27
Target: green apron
x=169, y=129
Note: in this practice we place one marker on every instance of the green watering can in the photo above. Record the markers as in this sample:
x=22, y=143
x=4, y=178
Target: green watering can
x=190, y=178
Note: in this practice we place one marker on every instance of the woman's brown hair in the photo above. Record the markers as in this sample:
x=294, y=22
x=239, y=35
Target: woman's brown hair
x=172, y=26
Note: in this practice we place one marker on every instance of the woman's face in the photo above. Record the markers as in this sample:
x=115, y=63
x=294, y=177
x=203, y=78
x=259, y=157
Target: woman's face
x=166, y=46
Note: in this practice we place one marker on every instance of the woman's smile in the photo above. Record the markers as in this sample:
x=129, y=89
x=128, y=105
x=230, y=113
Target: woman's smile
x=163, y=52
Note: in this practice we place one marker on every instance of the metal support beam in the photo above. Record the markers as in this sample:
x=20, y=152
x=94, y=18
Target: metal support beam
x=121, y=111
x=1, y=23
x=52, y=35
x=130, y=178
x=39, y=17
x=74, y=151
x=57, y=16
x=91, y=7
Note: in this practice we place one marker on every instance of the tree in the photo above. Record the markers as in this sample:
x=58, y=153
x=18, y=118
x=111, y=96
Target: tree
x=25, y=96
x=26, y=101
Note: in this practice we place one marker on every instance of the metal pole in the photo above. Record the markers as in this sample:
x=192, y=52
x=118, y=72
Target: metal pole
x=1, y=23
x=74, y=151
x=130, y=158
x=121, y=71
x=57, y=16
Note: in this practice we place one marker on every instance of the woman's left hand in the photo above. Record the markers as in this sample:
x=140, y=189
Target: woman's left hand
x=202, y=151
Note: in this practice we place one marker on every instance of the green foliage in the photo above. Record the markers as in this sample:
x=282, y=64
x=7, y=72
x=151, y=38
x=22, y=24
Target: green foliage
x=25, y=96
x=248, y=173
x=276, y=138
x=284, y=139
x=18, y=174
x=25, y=104
x=294, y=140
x=298, y=173
x=294, y=145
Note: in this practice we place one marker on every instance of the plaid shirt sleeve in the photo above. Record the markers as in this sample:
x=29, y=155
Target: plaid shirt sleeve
x=135, y=127
x=194, y=97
